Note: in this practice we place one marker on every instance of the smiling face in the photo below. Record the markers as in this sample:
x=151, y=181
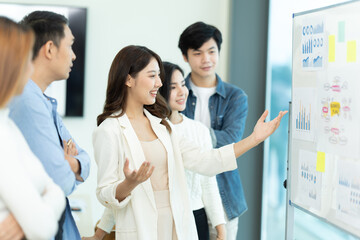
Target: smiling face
x=144, y=87
x=64, y=56
x=203, y=61
x=178, y=92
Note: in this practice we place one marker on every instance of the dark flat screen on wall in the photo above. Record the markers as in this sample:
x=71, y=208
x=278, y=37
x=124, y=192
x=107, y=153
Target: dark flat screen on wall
x=69, y=93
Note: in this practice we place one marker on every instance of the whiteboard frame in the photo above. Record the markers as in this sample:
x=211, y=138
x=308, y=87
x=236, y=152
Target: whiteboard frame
x=290, y=206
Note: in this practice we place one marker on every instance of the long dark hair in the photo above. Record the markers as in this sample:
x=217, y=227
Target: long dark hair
x=169, y=69
x=130, y=61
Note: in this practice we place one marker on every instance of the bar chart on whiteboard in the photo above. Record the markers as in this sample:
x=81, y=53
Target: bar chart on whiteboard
x=304, y=120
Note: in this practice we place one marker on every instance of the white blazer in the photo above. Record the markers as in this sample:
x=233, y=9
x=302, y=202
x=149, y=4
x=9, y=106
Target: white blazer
x=136, y=216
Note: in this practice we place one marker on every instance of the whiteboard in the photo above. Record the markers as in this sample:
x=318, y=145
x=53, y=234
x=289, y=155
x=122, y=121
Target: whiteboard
x=325, y=115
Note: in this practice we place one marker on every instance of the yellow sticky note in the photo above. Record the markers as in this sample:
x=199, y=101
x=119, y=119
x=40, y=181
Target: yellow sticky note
x=351, y=51
x=332, y=48
x=335, y=108
x=320, y=162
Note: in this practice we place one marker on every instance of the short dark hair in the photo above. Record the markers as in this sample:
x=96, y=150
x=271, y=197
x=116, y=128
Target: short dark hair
x=195, y=35
x=48, y=26
x=169, y=69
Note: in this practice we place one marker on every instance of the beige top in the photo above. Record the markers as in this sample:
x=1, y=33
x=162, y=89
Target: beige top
x=155, y=153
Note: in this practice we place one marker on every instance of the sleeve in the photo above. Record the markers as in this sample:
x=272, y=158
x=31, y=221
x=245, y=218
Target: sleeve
x=107, y=220
x=39, y=130
x=233, y=121
x=212, y=200
x=210, y=191
x=110, y=166
x=206, y=162
x=82, y=156
x=37, y=214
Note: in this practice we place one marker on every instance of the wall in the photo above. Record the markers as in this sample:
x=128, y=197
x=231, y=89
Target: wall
x=248, y=34
x=113, y=24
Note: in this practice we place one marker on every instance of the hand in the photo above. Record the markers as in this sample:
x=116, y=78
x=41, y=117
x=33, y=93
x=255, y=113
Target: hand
x=70, y=148
x=69, y=152
x=10, y=229
x=221, y=232
x=136, y=177
x=263, y=129
x=132, y=179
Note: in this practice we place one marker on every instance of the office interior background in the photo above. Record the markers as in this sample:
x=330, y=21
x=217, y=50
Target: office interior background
x=255, y=56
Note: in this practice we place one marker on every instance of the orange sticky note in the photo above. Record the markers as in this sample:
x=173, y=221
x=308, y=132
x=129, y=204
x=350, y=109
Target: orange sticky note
x=332, y=48
x=320, y=162
x=351, y=51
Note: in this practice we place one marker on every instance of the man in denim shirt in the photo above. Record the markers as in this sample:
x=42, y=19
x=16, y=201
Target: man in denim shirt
x=36, y=116
x=219, y=105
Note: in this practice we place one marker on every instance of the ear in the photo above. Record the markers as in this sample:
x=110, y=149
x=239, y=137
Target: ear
x=128, y=81
x=49, y=49
x=185, y=58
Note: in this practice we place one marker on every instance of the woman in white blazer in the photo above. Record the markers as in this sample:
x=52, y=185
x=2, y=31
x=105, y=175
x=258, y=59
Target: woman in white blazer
x=30, y=202
x=135, y=115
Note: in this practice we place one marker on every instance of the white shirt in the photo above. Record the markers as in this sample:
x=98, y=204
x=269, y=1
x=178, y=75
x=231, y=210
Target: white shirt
x=202, y=94
x=26, y=191
x=203, y=190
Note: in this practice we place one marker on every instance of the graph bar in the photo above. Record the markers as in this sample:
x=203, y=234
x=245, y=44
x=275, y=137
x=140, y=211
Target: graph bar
x=303, y=117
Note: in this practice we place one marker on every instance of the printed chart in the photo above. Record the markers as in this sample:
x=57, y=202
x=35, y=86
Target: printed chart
x=309, y=180
x=303, y=120
x=313, y=44
x=348, y=193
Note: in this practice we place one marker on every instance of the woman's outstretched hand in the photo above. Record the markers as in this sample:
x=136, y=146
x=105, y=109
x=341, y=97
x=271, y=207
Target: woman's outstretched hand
x=263, y=129
x=135, y=177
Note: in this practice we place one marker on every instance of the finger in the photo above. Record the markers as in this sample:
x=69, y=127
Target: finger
x=74, y=149
x=263, y=116
x=126, y=165
x=150, y=172
x=144, y=168
x=65, y=146
x=147, y=174
x=281, y=114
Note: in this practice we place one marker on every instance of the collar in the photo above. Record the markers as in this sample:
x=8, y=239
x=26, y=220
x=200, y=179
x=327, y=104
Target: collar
x=220, y=88
x=125, y=122
x=36, y=89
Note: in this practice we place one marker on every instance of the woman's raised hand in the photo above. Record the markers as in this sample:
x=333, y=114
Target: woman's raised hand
x=263, y=129
x=132, y=179
x=135, y=177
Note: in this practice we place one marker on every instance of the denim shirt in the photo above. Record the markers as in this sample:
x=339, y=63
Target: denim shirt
x=228, y=111
x=36, y=116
